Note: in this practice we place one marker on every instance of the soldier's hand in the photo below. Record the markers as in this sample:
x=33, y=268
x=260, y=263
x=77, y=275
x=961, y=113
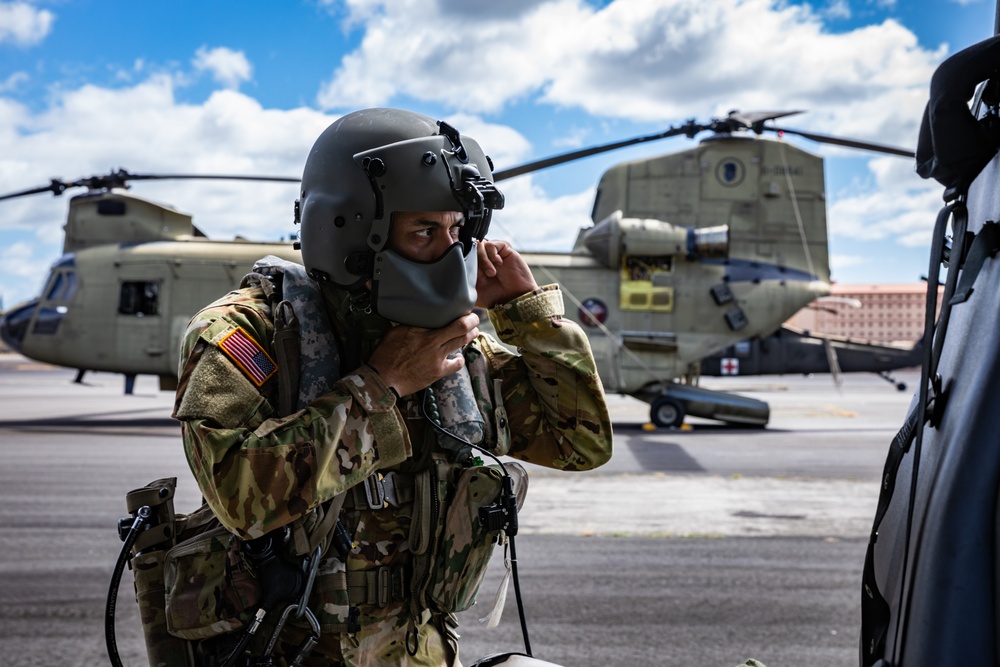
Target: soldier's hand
x=503, y=274
x=409, y=359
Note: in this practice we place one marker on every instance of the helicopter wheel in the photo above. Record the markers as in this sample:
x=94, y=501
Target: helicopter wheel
x=666, y=412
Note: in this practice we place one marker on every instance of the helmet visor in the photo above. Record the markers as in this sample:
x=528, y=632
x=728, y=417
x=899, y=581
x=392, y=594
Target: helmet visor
x=428, y=174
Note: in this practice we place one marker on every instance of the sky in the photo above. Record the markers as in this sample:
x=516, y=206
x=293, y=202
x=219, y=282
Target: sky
x=229, y=86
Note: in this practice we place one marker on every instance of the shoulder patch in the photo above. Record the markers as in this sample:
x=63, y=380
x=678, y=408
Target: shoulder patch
x=248, y=355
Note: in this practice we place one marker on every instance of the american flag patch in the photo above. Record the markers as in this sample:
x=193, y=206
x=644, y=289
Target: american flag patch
x=249, y=356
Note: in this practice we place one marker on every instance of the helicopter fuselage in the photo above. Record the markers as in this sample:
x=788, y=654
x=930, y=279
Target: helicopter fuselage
x=123, y=308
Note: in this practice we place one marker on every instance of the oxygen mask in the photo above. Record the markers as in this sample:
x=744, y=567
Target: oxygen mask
x=426, y=294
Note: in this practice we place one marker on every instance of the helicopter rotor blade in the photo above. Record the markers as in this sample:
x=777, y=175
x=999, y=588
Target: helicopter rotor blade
x=121, y=178
x=834, y=363
x=688, y=129
x=56, y=187
x=754, y=118
x=210, y=177
x=850, y=143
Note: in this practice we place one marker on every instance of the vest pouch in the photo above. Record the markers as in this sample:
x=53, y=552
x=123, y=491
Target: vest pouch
x=329, y=600
x=210, y=589
x=464, y=551
x=162, y=649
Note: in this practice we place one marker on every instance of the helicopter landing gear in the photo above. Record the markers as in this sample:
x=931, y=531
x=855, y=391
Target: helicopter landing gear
x=666, y=411
x=900, y=386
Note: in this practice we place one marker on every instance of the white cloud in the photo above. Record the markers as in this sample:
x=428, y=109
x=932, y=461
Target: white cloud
x=533, y=221
x=228, y=67
x=898, y=206
x=645, y=61
x=24, y=25
x=13, y=81
x=18, y=260
x=837, y=9
x=840, y=262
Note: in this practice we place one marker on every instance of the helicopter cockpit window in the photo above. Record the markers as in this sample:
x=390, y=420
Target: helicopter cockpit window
x=645, y=283
x=139, y=298
x=61, y=287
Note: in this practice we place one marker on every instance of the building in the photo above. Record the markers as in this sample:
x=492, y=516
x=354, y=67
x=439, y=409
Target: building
x=886, y=314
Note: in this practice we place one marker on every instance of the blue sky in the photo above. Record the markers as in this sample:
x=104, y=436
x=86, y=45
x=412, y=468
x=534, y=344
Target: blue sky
x=240, y=87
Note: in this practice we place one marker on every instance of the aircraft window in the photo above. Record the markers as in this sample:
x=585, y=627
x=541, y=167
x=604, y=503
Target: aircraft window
x=48, y=320
x=62, y=288
x=55, y=287
x=742, y=348
x=15, y=323
x=139, y=298
x=111, y=207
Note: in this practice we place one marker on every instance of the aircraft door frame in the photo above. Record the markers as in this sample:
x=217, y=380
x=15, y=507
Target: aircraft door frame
x=141, y=317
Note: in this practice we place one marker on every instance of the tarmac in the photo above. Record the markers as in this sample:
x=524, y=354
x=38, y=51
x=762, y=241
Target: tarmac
x=701, y=546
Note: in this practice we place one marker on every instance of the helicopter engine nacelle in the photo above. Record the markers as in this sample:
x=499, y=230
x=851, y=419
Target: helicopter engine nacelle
x=616, y=235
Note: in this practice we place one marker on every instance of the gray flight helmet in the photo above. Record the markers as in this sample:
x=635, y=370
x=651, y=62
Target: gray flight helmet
x=371, y=164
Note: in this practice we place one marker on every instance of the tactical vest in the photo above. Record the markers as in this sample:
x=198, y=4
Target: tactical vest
x=200, y=585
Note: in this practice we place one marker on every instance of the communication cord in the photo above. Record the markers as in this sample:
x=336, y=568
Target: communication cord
x=510, y=537
x=142, y=516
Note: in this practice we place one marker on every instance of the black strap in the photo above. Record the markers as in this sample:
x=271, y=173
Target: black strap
x=985, y=244
x=288, y=353
x=874, y=607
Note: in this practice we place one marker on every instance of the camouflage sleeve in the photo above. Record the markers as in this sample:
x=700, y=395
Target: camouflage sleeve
x=258, y=471
x=554, y=398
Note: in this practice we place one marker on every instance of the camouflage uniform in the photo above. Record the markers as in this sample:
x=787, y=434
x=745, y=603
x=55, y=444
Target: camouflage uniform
x=259, y=471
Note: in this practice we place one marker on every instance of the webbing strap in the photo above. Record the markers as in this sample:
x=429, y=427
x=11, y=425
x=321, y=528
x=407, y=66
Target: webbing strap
x=305, y=540
x=379, y=490
x=377, y=586
x=986, y=244
x=288, y=353
x=322, y=535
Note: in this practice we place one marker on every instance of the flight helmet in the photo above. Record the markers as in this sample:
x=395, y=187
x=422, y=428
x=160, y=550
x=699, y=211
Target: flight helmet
x=365, y=167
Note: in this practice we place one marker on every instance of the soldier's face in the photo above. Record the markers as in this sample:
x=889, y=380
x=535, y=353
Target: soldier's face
x=424, y=235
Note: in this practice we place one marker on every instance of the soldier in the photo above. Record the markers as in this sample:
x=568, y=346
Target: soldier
x=361, y=387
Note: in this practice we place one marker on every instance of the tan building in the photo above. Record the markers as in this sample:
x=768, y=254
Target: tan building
x=887, y=313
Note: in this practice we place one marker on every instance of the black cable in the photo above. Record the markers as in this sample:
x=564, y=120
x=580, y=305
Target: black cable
x=239, y=649
x=513, y=551
x=517, y=596
x=141, y=517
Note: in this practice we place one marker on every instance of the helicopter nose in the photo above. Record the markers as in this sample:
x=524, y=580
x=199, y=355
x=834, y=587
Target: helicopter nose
x=14, y=325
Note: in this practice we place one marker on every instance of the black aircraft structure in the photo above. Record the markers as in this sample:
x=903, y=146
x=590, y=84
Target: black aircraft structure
x=929, y=592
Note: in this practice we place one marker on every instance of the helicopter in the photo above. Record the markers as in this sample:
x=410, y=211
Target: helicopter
x=791, y=350
x=689, y=253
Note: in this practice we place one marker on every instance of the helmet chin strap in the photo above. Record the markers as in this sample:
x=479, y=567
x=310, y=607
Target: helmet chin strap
x=425, y=294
